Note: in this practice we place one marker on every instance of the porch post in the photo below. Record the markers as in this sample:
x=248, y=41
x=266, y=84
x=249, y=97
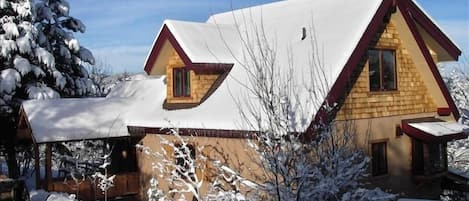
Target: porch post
x=48, y=176
x=37, y=166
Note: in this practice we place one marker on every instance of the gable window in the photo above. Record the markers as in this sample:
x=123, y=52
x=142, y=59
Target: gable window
x=382, y=69
x=181, y=82
x=379, y=160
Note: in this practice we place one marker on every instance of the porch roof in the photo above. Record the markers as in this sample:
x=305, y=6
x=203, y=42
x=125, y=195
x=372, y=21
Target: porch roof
x=436, y=131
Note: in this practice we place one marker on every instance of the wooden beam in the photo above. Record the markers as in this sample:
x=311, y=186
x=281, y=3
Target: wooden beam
x=37, y=166
x=48, y=176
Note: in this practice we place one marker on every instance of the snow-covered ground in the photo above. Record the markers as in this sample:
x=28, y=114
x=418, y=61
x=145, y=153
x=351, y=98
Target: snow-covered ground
x=41, y=195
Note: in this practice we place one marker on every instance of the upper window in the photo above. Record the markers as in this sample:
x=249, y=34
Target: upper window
x=379, y=160
x=382, y=69
x=181, y=82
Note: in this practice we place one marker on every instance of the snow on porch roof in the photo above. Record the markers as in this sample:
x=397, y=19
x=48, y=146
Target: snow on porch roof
x=436, y=131
x=58, y=120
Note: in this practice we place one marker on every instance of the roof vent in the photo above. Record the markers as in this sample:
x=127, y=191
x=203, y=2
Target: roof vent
x=303, y=36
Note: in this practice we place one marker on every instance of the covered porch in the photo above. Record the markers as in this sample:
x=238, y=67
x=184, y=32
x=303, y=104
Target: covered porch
x=50, y=128
x=429, y=137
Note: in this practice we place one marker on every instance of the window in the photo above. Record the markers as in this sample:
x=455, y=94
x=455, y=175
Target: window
x=437, y=157
x=181, y=82
x=379, y=161
x=185, y=156
x=428, y=158
x=382, y=70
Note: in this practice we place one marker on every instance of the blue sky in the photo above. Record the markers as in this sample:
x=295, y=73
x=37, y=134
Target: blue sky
x=120, y=32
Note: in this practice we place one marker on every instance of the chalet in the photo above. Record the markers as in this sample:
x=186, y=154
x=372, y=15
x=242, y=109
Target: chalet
x=378, y=57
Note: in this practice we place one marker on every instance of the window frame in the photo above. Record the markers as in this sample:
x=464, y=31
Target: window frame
x=378, y=170
x=180, y=160
x=185, y=76
x=380, y=66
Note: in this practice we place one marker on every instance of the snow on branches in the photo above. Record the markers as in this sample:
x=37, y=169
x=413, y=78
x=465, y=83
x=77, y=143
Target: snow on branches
x=182, y=168
x=38, y=50
x=279, y=104
x=457, y=79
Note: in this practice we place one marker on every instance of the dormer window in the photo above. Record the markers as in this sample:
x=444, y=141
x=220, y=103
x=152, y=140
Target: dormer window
x=382, y=69
x=181, y=82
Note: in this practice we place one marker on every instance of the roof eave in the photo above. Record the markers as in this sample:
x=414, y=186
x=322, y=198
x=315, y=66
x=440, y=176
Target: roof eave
x=420, y=17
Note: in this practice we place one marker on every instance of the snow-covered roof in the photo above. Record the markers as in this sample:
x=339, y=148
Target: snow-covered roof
x=282, y=24
x=335, y=27
x=439, y=129
x=204, y=42
x=75, y=119
x=70, y=119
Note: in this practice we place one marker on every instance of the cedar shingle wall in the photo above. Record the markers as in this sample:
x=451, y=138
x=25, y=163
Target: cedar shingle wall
x=411, y=96
x=200, y=83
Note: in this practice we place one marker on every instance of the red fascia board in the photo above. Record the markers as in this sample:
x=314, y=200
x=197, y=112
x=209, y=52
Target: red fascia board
x=422, y=19
x=426, y=137
x=339, y=88
x=164, y=35
x=403, y=6
x=210, y=67
x=196, y=132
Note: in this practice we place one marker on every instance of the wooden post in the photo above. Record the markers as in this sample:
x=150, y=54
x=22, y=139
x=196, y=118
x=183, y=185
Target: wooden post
x=37, y=166
x=48, y=176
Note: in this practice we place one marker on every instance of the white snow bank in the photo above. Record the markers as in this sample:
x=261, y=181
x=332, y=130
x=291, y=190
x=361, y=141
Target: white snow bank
x=41, y=195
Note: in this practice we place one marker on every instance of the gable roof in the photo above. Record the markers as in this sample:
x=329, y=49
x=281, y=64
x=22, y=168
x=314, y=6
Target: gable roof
x=341, y=31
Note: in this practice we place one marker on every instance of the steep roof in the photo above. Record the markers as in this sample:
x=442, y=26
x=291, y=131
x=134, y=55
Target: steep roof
x=337, y=34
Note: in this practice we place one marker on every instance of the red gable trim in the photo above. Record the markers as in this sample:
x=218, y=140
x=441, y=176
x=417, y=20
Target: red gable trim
x=419, y=16
x=404, y=7
x=164, y=35
x=340, y=86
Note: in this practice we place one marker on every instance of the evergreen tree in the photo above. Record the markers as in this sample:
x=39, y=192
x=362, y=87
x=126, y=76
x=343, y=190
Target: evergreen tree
x=39, y=59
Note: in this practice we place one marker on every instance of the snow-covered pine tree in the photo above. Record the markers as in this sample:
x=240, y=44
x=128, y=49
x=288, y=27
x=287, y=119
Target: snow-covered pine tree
x=39, y=59
x=55, y=34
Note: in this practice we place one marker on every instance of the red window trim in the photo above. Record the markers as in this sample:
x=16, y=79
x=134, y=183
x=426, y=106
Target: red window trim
x=185, y=72
x=380, y=52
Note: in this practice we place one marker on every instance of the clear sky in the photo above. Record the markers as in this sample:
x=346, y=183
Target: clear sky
x=120, y=32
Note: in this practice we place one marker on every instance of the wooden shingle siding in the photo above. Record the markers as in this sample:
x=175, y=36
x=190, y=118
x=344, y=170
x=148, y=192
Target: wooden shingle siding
x=411, y=96
x=199, y=84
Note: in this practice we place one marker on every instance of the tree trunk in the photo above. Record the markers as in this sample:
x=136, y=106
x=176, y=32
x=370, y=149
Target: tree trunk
x=13, y=169
x=9, y=144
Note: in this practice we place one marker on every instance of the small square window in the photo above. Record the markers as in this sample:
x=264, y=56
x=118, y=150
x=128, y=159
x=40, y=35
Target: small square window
x=379, y=162
x=382, y=70
x=181, y=82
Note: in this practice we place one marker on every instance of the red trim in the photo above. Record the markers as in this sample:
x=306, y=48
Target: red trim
x=164, y=35
x=443, y=111
x=196, y=132
x=426, y=23
x=406, y=13
x=422, y=135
